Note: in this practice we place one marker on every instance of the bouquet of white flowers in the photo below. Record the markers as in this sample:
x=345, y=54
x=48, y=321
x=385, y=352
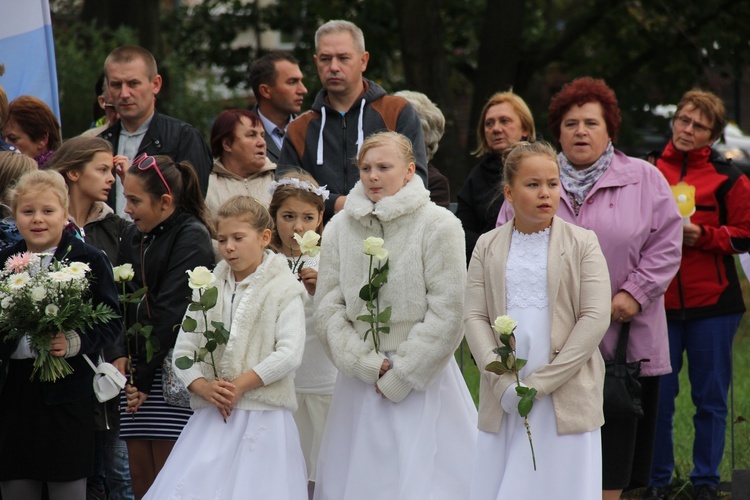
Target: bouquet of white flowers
x=38, y=300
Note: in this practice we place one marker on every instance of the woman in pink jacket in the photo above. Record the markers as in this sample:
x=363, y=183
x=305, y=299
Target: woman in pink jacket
x=628, y=204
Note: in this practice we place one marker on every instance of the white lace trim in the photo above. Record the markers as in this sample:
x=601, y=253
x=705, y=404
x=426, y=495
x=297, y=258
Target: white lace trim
x=526, y=270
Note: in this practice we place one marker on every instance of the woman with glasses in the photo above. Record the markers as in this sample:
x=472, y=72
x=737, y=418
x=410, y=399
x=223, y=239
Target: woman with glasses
x=170, y=236
x=629, y=206
x=704, y=302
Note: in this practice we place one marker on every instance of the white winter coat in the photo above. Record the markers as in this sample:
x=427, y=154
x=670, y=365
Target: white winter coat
x=425, y=288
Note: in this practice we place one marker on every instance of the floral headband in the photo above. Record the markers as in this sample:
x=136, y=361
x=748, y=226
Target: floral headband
x=299, y=184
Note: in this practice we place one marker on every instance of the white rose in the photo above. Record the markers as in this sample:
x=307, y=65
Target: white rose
x=51, y=310
x=38, y=293
x=123, y=273
x=5, y=303
x=504, y=325
x=308, y=243
x=200, y=277
x=374, y=247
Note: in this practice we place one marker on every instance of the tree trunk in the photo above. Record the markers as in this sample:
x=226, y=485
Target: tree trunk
x=421, y=33
x=498, y=57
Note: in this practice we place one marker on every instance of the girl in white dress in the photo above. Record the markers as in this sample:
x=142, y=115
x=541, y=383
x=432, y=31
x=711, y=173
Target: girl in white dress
x=401, y=423
x=297, y=206
x=551, y=277
x=256, y=452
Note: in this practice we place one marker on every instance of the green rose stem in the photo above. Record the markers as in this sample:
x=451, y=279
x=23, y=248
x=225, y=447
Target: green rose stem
x=509, y=362
x=375, y=336
x=207, y=298
x=293, y=264
x=125, y=316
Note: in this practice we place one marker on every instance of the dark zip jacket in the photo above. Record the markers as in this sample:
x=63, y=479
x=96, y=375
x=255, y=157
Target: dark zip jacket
x=331, y=158
x=160, y=260
x=79, y=384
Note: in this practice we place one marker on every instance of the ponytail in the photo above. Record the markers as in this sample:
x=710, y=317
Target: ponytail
x=191, y=198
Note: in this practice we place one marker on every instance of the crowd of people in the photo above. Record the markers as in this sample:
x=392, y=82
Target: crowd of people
x=333, y=373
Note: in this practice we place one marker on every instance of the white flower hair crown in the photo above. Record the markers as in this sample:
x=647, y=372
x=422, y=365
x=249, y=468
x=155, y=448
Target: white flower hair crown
x=299, y=184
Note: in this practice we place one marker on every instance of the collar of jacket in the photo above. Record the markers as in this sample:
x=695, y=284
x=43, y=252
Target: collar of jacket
x=151, y=138
x=372, y=92
x=695, y=157
x=409, y=198
x=221, y=171
x=178, y=217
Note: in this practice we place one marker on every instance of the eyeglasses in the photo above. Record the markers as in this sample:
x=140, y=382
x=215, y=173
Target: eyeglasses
x=143, y=161
x=685, y=122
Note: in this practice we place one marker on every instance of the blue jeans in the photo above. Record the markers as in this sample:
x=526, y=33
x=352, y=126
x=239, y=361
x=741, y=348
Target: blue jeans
x=708, y=344
x=111, y=466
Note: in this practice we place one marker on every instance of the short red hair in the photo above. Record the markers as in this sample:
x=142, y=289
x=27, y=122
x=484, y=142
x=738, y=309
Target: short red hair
x=579, y=92
x=224, y=125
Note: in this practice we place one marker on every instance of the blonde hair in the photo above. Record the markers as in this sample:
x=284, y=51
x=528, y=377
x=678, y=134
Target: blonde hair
x=13, y=165
x=517, y=152
x=521, y=109
x=286, y=191
x=400, y=142
x=40, y=181
x=246, y=209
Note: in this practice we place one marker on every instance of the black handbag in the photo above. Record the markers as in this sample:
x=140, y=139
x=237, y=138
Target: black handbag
x=622, y=389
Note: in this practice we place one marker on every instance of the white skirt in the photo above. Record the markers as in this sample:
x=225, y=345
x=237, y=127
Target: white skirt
x=420, y=448
x=255, y=455
x=567, y=466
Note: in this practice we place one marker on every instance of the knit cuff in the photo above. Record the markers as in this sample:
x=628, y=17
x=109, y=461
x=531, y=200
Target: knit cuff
x=367, y=369
x=393, y=387
x=73, y=340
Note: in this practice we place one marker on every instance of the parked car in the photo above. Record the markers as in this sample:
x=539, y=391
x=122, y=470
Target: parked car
x=735, y=145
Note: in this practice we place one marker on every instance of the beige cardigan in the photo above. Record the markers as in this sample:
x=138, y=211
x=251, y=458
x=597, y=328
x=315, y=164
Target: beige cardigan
x=579, y=297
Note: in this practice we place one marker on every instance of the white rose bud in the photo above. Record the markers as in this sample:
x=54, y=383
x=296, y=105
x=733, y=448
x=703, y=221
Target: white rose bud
x=38, y=293
x=200, y=278
x=504, y=325
x=51, y=310
x=123, y=273
x=308, y=243
x=374, y=247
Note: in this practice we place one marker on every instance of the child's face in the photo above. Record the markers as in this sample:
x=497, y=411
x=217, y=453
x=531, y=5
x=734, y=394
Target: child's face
x=146, y=212
x=241, y=245
x=534, y=193
x=296, y=217
x=40, y=218
x=95, y=180
x=384, y=172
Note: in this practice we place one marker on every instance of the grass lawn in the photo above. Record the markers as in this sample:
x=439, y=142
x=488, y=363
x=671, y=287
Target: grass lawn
x=737, y=456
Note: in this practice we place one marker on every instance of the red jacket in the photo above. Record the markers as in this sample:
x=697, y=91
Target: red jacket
x=707, y=283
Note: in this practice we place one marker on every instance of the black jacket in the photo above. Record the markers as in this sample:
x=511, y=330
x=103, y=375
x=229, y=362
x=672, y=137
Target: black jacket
x=106, y=233
x=77, y=385
x=480, y=199
x=174, y=138
x=161, y=259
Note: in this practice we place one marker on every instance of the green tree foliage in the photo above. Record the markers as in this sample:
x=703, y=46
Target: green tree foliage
x=459, y=52
x=80, y=50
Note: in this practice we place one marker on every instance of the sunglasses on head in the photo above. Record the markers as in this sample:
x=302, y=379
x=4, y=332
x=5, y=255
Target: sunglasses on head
x=143, y=161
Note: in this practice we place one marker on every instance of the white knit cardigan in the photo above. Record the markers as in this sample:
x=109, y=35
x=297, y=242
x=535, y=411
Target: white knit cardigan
x=271, y=305
x=425, y=288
